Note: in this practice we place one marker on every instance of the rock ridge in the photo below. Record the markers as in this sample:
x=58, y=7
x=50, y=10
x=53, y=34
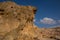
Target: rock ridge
x=16, y=23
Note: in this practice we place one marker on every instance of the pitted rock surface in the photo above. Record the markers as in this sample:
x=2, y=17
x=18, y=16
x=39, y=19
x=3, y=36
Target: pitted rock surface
x=16, y=23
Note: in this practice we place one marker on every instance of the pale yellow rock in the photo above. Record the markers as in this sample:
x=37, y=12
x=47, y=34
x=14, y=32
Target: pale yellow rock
x=16, y=23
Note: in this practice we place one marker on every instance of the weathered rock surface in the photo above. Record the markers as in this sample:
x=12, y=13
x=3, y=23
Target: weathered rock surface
x=16, y=23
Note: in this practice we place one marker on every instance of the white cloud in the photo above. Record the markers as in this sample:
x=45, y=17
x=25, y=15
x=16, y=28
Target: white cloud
x=47, y=20
x=34, y=20
x=58, y=21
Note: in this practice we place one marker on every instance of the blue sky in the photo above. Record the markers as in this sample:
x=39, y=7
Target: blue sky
x=48, y=11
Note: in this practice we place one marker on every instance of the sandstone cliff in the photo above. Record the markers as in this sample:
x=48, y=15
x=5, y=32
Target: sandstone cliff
x=16, y=23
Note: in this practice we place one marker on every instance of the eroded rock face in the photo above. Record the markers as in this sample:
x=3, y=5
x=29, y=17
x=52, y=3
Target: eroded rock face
x=14, y=17
x=16, y=23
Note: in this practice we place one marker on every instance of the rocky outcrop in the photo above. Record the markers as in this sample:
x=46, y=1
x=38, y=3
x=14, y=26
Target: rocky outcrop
x=16, y=23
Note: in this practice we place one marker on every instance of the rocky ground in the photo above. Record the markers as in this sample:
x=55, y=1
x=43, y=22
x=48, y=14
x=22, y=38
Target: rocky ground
x=16, y=23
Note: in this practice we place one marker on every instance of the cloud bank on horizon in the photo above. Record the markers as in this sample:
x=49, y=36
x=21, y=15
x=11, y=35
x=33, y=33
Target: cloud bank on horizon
x=49, y=21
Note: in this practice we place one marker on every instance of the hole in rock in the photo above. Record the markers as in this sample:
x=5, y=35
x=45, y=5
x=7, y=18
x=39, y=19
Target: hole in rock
x=1, y=13
x=51, y=37
x=1, y=10
x=21, y=29
x=35, y=38
x=11, y=7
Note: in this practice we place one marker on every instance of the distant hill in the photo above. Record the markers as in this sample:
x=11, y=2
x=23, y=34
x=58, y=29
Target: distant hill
x=16, y=23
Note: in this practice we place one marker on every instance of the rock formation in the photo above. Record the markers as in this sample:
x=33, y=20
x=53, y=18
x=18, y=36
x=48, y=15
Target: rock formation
x=16, y=23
